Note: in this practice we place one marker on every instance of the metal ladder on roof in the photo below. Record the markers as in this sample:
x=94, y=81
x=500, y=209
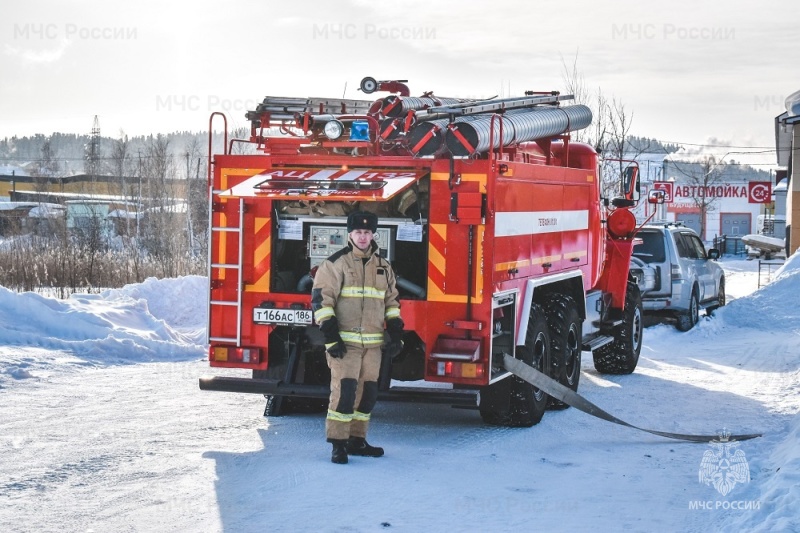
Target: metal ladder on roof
x=286, y=108
x=237, y=267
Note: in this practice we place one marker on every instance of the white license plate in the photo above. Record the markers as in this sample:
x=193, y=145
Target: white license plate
x=282, y=316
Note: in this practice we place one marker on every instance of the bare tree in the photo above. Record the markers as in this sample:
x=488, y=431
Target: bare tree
x=122, y=166
x=81, y=253
x=575, y=84
x=47, y=168
x=242, y=132
x=599, y=127
x=618, y=148
x=196, y=196
x=128, y=188
x=121, y=161
x=164, y=234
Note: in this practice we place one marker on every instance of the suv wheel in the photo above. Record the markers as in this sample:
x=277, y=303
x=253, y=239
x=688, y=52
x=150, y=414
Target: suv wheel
x=687, y=320
x=720, y=296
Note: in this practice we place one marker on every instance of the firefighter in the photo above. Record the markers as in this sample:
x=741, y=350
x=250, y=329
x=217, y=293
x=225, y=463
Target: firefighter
x=354, y=293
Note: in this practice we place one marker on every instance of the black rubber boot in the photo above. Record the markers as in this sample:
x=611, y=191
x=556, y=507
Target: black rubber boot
x=360, y=446
x=339, y=453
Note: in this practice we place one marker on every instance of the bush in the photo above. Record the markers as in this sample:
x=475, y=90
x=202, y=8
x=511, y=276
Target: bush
x=61, y=264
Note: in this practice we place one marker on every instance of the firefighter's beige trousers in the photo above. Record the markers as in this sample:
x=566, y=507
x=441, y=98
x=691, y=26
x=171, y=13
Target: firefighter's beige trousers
x=354, y=391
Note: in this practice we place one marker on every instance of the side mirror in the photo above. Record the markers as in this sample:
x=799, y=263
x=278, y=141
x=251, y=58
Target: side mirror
x=629, y=187
x=630, y=182
x=656, y=197
x=713, y=253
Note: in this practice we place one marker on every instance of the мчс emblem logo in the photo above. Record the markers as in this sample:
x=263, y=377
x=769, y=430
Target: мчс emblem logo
x=724, y=465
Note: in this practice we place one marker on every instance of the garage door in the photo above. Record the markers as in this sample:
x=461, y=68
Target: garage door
x=690, y=220
x=735, y=224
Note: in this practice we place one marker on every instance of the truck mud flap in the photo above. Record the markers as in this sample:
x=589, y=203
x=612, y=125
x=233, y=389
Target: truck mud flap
x=570, y=397
x=455, y=397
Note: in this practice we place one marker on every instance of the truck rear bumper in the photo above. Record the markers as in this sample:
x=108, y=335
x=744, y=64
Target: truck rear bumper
x=459, y=397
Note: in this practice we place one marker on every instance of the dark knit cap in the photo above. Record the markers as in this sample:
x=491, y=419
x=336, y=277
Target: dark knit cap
x=362, y=220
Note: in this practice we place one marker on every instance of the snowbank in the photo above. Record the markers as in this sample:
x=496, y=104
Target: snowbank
x=770, y=308
x=773, y=309
x=154, y=320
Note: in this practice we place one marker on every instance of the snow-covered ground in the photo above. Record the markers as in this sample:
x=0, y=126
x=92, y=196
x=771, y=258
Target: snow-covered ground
x=104, y=428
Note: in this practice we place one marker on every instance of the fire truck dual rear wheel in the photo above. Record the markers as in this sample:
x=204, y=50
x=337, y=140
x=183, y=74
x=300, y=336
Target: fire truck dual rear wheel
x=514, y=402
x=622, y=355
x=565, y=337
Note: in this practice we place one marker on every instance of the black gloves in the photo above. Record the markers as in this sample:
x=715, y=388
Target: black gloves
x=333, y=341
x=336, y=349
x=394, y=327
x=335, y=345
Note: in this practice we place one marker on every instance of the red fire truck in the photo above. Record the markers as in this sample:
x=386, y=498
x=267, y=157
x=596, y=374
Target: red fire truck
x=491, y=217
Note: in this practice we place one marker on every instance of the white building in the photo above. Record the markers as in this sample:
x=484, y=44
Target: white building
x=732, y=206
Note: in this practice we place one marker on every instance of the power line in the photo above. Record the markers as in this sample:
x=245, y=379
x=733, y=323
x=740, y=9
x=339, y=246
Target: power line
x=687, y=155
x=768, y=148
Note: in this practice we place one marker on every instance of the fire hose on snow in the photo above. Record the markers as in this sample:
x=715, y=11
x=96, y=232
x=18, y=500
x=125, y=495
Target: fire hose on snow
x=572, y=398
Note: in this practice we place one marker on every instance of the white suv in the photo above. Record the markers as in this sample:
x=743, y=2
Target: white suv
x=687, y=278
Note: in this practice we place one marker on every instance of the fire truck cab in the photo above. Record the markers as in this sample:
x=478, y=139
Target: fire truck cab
x=492, y=220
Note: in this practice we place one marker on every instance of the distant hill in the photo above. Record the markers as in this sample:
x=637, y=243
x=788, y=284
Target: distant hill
x=67, y=151
x=652, y=146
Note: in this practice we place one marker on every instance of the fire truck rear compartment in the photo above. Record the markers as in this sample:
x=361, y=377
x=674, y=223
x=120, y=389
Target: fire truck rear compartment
x=302, y=242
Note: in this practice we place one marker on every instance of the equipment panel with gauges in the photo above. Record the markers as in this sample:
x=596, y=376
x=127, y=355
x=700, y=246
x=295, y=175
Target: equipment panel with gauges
x=325, y=240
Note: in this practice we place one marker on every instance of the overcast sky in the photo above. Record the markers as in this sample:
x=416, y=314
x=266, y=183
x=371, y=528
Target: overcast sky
x=694, y=71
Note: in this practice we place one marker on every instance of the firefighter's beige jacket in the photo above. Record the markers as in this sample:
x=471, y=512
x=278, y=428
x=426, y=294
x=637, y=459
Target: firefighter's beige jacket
x=361, y=295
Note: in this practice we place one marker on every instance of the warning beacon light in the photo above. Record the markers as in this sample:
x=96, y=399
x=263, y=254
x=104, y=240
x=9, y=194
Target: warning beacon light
x=359, y=130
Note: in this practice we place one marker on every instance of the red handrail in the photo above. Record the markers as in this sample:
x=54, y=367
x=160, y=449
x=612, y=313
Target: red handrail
x=210, y=137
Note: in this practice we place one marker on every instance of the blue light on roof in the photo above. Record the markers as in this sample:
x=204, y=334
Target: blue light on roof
x=359, y=130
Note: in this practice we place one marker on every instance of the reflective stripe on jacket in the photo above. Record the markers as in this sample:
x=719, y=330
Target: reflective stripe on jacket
x=360, y=294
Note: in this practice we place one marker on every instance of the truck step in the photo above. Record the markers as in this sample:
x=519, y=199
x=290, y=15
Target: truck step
x=607, y=325
x=460, y=397
x=596, y=343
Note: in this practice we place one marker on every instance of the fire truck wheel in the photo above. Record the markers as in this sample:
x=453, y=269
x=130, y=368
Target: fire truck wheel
x=565, y=326
x=513, y=402
x=528, y=403
x=687, y=320
x=622, y=355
